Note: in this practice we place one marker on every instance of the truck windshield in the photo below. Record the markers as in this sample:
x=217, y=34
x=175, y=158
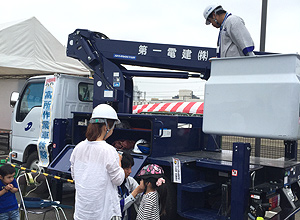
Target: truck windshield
x=30, y=98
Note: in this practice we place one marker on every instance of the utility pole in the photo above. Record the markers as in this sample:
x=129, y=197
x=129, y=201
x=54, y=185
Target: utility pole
x=263, y=25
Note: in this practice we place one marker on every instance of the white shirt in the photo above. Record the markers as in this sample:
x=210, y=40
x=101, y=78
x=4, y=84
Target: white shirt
x=234, y=38
x=96, y=171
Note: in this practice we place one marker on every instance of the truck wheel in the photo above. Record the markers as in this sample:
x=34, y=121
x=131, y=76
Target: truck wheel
x=33, y=162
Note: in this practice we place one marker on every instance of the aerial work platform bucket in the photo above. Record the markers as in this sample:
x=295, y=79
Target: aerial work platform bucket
x=254, y=97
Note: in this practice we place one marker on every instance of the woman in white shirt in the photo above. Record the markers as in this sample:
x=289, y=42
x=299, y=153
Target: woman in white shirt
x=96, y=169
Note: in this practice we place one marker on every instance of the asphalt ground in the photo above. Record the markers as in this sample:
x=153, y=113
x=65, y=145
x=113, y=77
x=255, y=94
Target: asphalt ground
x=68, y=199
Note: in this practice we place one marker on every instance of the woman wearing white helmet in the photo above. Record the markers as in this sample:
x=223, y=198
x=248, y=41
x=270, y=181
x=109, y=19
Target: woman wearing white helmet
x=96, y=169
x=234, y=38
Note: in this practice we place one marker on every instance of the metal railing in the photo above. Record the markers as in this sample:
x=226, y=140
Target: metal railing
x=269, y=148
x=4, y=141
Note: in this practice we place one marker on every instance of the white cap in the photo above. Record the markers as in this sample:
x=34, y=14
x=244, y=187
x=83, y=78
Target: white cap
x=207, y=11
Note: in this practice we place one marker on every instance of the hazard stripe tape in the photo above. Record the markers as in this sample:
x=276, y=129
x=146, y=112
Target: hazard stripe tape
x=45, y=174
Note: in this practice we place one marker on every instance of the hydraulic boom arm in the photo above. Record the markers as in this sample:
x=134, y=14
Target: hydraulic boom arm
x=113, y=82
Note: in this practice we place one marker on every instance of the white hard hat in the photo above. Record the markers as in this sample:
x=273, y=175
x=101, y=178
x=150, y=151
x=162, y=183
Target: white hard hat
x=104, y=111
x=207, y=11
x=136, y=148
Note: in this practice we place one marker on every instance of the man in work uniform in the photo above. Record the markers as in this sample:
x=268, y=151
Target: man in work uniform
x=234, y=38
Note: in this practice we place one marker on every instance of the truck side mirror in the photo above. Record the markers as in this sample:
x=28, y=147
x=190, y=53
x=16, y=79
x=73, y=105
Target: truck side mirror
x=14, y=98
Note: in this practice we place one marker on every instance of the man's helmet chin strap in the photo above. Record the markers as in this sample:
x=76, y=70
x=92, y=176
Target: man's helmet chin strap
x=217, y=22
x=215, y=12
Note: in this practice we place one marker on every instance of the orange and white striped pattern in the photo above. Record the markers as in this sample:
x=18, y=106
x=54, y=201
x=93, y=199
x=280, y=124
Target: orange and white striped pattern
x=182, y=107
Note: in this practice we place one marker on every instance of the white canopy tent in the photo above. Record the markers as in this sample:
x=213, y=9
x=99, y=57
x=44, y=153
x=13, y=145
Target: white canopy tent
x=27, y=48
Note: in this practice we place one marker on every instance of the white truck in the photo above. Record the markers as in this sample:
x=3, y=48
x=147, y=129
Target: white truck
x=34, y=112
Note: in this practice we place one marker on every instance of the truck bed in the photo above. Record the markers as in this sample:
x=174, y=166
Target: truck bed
x=225, y=156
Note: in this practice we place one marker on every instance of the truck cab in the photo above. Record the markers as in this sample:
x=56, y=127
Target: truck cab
x=72, y=93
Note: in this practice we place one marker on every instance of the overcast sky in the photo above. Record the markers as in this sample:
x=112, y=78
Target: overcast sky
x=160, y=21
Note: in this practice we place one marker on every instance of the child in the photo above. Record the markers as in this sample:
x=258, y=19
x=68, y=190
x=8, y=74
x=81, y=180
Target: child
x=153, y=204
x=8, y=188
x=130, y=192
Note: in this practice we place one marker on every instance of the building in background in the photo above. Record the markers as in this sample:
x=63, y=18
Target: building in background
x=184, y=95
x=139, y=97
x=183, y=103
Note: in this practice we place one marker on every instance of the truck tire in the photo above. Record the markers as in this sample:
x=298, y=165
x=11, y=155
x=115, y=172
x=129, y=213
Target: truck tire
x=33, y=161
